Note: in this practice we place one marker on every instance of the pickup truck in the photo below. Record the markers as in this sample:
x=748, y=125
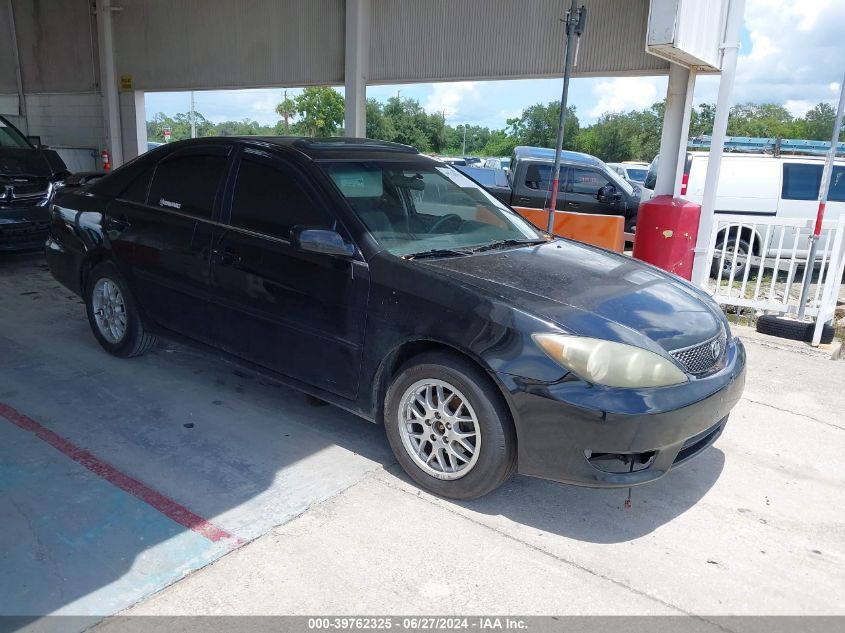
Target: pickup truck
x=587, y=185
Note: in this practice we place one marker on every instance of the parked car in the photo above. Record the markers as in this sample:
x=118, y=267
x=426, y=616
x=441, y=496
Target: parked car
x=473, y=161
x=761, y=185
x=453, y=160
x=498, y=163
x=396, y=288
x=632, y=171
x=587, y=185
x=29, y=174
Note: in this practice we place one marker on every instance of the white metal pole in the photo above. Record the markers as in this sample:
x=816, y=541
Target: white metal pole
x=108, y=82
x=730, y=46
x=823, y=192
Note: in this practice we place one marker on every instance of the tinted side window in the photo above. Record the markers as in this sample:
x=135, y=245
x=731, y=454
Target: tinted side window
x=188, y=183
x=268, y=199
x=137, y=189
x=801, y=182
x=538, y=177
x=837, y=185
x=585, y=181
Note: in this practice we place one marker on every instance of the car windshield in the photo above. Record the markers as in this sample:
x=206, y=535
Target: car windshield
x=414, y=207
x=10, y=137
x=636, y=173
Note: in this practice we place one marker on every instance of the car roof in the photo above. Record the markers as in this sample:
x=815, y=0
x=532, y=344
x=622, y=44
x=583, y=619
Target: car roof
x=319, y=147
x=544, y=153
x=793, y=158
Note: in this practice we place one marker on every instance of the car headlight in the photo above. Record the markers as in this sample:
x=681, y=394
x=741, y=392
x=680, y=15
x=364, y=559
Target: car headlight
x=608, y=363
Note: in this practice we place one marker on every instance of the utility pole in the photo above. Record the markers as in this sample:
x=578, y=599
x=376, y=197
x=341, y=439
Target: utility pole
x=193, y=117
x=823, y=192
x=575, y=21
x=464, y=150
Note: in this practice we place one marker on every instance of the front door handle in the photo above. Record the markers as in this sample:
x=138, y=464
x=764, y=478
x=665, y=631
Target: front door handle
x=573, y=204
x=117, y=224
x=225, y=256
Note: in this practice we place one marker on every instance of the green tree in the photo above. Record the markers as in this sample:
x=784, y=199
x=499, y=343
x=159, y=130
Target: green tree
x=760, y=119
x=818, y=122
x=320, y=110
x=286, y=109
x=538, y=125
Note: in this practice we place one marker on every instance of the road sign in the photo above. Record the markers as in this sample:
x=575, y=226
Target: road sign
x=167, y=133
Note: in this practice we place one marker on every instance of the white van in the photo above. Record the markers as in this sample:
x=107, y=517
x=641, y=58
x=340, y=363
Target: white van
x=760, y=185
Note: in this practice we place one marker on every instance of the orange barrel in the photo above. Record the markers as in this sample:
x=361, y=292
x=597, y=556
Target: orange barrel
x=667, y=229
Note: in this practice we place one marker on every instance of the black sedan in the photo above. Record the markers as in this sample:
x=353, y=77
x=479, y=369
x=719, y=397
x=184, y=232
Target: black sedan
x=395, y=287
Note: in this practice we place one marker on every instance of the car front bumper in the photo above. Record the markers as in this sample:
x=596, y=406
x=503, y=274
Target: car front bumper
x=577, y=433
x=23, y=228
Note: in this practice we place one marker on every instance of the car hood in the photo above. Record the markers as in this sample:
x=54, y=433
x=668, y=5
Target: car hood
x=24, y=163
x=591, y=292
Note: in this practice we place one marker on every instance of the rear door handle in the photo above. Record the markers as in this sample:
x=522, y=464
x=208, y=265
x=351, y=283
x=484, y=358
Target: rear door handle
x=573, y=204
x=523, y=199
x=225, y=256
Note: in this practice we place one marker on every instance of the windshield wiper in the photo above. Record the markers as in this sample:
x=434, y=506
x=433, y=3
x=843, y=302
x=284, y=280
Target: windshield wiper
x=506, y=243
x=437, y=252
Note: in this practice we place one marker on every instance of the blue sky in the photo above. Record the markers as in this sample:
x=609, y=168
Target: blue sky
x=784, y=48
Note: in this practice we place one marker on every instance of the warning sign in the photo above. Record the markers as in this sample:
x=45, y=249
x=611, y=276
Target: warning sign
x=126, y=83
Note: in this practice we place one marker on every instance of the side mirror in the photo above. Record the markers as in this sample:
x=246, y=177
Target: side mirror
x=324, y=241
x=608, y=195
x=35, y=141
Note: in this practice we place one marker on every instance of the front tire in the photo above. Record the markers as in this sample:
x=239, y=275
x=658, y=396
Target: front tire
x=113, y=313
x=449, y=427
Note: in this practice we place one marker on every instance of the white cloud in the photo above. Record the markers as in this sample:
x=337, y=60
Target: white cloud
x=625, y=93
x=451, y=98
x=797, y=52
x=798, y=107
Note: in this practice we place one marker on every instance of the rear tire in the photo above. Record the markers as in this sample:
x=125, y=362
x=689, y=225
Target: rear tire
x=113, y=313
x=460, y=448
x=790, y=329
x=742, y=258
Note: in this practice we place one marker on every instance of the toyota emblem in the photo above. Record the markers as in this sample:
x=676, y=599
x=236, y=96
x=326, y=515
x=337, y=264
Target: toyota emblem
x=716, y=348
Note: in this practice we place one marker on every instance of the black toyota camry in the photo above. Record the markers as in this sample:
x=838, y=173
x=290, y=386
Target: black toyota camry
x=393, y=286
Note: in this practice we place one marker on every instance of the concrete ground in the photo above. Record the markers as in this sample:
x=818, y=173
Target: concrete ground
x=176, y=483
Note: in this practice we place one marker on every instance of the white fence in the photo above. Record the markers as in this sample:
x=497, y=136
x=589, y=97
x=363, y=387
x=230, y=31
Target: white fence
x=757, y=261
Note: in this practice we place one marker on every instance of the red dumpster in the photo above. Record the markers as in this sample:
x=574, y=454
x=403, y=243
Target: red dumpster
x=667, y=229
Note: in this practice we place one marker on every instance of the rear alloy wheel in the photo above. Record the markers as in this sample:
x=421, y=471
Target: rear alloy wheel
x=113, y=315
x=743, y=253
x=449, y=427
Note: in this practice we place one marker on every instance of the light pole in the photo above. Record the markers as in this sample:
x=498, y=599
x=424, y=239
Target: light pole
x=575, y=21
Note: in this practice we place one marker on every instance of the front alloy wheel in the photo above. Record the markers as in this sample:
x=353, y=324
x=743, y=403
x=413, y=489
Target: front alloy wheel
x=439, y=429
x=437, y=409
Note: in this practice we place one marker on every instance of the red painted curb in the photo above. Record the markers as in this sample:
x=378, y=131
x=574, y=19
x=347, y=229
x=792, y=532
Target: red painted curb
x=168, y=507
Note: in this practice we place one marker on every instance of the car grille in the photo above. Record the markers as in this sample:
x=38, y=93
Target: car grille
x=23, y=233
x=701, y=358
x=24, y=194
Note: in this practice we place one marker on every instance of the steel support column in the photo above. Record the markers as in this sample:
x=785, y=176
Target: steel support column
x=673, y=140
x=108, y=81
x=357, y=66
